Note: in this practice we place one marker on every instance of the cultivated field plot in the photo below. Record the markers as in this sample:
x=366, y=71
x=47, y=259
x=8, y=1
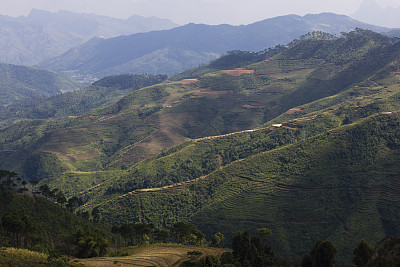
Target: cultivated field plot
x=159, y=255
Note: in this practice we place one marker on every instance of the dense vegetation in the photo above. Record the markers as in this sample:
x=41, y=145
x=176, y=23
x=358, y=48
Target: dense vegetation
x=304, y=143
x=104, y=92
x=21, y=83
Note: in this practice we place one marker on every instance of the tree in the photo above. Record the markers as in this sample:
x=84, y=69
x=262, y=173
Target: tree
x=251, y=251
x=362, y=253
x=160, y=235
x=116, y=230
x=60, y=198
x=241, y=246
x=324, y=254
x=217, y=239
x=15, y=225
x=73, y=203
x=57, y=258
x=45, y=191
x=386, y=253
x=90, y=244
x=96, y=215
x=141, y=232
x=264, y=232
x=187, y=233
x=307, y=261
x=208, y=260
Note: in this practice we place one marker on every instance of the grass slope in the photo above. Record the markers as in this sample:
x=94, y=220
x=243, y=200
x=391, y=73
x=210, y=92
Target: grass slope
x=22, y=257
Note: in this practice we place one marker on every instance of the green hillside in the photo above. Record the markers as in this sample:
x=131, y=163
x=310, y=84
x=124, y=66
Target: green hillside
x=304, y=142
x=101, y=93
x=147, y=121
x=35, y=223
x=341, y=185
x=20, y=83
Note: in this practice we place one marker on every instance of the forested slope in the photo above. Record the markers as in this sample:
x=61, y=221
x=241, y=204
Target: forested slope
x=101, y=93
x=304, y=142
x=21, y=82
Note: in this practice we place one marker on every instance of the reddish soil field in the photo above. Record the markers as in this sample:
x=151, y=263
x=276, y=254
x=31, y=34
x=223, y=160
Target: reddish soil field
x=189, y=81
x=237, y=72
x=294, y=110
x=252, y=106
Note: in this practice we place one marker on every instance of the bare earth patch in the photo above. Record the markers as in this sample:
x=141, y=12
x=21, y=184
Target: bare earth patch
x=237, y=72
x=189, y=81
x=252, y=106
x=294, y=110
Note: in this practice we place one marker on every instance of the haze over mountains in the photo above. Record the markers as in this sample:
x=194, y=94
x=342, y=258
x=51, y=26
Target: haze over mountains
x=42, y=34
x=175, y=50
x=302, y=139
x=371, y=12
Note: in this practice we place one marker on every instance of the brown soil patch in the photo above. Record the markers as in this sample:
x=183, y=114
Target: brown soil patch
x=205, y=93
x=172, y=100
x=294, y=110
x=252, y=106
x=237, y=72
x=189, y=81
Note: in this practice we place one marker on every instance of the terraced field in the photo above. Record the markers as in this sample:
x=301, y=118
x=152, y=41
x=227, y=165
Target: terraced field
x=157, y=255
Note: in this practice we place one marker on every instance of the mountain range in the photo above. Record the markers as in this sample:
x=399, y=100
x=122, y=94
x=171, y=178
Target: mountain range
x=301, y=139
x=42, y=34
x=172, y=51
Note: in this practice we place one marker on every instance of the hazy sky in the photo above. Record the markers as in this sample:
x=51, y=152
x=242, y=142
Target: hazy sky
x=184, y=11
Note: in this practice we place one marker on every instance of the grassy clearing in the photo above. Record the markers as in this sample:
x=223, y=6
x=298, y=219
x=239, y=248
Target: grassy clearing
x=21, y=257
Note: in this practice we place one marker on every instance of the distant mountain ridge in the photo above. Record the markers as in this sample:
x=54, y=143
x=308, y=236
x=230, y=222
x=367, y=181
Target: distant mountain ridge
x=42, y=34
x=175, y=50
